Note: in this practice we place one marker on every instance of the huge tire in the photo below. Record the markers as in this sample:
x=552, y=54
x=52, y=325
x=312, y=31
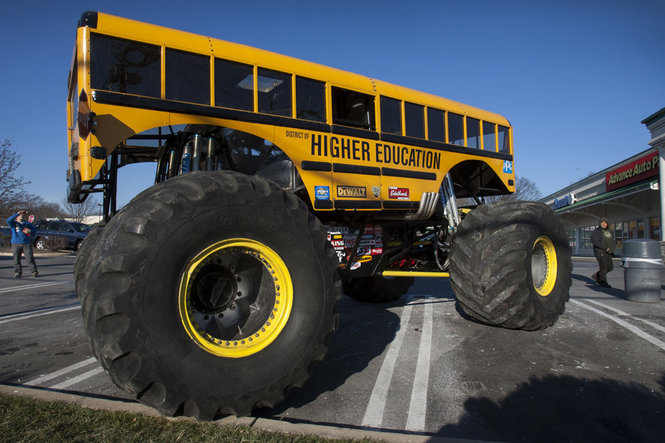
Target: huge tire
x=83, y=254
x=377, y=289
x=211, y=295
x=510, y=265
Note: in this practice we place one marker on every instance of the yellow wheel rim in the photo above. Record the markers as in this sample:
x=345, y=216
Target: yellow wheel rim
x=235, y=297
x=543, y=266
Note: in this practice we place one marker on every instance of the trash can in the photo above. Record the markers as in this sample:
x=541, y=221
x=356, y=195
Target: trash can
x=642, y=265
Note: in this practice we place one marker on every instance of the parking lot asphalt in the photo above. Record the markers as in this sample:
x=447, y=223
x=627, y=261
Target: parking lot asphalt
x=412, y=370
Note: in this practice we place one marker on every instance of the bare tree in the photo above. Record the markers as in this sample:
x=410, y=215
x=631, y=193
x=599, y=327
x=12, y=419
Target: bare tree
x=78, y=211
x=12, y=186
x=525, y=189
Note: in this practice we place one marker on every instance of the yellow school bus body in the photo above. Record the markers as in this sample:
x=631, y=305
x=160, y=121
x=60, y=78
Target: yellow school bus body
x=369, y=163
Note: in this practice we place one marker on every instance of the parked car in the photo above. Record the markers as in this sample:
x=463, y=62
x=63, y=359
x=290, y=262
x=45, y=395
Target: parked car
x=5, y=237
x=59, y=234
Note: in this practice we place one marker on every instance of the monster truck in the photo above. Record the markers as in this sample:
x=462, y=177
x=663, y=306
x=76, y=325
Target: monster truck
x=279, y=184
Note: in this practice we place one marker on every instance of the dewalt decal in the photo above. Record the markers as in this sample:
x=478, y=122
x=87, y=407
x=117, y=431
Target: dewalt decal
x=352, y=191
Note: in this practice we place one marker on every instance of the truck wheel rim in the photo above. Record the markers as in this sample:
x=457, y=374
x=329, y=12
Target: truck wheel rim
x=543, y=266
x=235, y=297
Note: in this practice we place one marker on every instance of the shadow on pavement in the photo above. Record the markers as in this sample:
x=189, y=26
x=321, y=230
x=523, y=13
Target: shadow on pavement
x=566, y=408
x=353, y=346
x=591, y=284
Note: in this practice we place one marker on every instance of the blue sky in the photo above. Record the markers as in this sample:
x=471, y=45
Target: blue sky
x=575, y=78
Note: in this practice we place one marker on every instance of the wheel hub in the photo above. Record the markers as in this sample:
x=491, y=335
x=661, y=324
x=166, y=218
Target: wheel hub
x=235, y=297
x=214, y=288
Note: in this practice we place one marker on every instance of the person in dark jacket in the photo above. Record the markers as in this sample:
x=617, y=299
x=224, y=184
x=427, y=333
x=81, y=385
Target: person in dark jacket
x=603, y=249
x=21, y=242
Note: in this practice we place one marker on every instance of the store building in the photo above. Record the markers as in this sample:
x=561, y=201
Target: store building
x=628, y=195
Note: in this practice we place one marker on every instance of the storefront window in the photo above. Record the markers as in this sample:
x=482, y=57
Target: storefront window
x=572, y=238
x=654, y=228
x=585, y=237
x=640, y=229
x=632, y=229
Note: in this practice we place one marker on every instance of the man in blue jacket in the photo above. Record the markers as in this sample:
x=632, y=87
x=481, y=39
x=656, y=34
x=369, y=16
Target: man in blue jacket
x=21, y=238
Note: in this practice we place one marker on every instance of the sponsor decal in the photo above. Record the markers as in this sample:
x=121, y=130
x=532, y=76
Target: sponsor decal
x=355, y=266
x=322, y=192
x=398, y=193
x=352, y=191
x=376, y=190
x=377, y=251
x=507, y=167
x=633, y=172
x=365, y=259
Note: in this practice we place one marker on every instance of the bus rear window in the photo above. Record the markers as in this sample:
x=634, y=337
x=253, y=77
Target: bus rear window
x=230, y=90
x=187, y=77
x=504, y=143
x=352, y=108
x=125, y=66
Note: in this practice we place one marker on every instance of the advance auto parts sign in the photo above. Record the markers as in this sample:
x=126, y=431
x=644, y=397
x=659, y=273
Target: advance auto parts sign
x=635, y=171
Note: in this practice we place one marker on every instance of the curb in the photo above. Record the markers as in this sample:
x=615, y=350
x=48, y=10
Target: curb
x=263, y=424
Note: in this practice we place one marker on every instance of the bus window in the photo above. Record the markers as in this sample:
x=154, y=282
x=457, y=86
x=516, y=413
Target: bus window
x=124, y=66
x=415, y=120
x=489, y=136
x=310, y=99
x=187, y=76
x=435, y=128
x=472, y=132
x=391, y=116
x=234, y=85
x=504, y=143
x=274, y=92
x=352, y=108
x=455, y=129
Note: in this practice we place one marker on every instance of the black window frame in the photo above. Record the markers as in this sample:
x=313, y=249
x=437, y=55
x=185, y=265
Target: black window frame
x=414, y=116
x=472, y=133
x=436, y=125
x=504, y=144
x=306, y=102
x=187, y=76
x=340, y=105
x=283, y=102
x=237, y=97
x=391, y=113
x=456, y=131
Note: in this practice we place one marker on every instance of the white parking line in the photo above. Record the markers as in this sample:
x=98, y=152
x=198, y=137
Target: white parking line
x=44, y=378
x=77, y=379
x=625, y=314
x=625, y=324
x=32, y=286
x=418, y=406
x=25, y=316
x=377, y=402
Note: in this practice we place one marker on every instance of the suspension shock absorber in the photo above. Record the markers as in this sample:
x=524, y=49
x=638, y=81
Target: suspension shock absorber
x=449, y=202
